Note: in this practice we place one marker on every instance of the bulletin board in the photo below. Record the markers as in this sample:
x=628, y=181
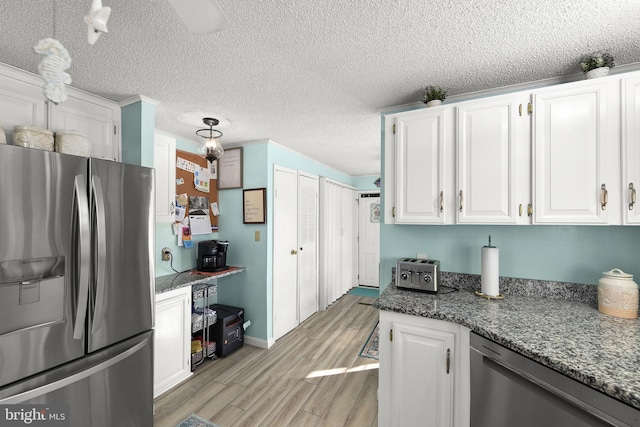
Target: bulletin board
x=185, y=184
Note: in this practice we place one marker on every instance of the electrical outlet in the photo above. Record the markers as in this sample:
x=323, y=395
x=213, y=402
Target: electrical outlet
x=166, y=254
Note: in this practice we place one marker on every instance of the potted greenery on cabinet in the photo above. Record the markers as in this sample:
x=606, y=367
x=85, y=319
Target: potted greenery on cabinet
x=434, y=95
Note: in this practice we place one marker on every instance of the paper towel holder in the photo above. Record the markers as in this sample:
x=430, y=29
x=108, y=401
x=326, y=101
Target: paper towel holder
x=480, y=294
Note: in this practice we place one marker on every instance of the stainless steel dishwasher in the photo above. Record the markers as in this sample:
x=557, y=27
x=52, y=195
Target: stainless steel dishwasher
x=508, y=390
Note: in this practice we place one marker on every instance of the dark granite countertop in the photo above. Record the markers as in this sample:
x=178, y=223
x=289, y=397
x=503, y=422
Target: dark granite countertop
x=556, y=325
x=189, y=278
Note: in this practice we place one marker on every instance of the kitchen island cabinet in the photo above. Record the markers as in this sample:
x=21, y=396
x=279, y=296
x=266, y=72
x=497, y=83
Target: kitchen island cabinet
x=424, y=372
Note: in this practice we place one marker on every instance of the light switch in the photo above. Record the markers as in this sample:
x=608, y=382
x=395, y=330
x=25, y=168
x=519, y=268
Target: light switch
x=257, y=236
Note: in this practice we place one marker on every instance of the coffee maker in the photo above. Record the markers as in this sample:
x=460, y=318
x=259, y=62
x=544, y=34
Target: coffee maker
x=212, y=255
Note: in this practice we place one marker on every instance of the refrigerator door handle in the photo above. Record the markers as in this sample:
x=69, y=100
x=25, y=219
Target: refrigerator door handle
x=74, y=378
x=100, y=250
x=82, y=238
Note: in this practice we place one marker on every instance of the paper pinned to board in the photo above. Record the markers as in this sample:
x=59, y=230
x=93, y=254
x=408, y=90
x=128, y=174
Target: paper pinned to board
x=199, y=224
x=185, y=165
x=201, y=179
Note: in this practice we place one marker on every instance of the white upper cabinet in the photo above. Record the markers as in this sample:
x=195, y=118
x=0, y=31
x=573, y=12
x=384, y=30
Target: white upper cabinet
x=164, y=162
x=23, y=103
x=631, y=147
x=576, y=146
x=493, y=152
x=423, y=166
x=94, y=117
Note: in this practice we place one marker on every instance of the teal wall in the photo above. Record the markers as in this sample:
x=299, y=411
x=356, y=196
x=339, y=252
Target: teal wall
x=365, y=182
x=577, y=254
x=137, y=133
x=252, y=290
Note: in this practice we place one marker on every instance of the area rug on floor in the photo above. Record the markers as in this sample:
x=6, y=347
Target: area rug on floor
x=365, y=292
x=195, y=421
x=370, y=348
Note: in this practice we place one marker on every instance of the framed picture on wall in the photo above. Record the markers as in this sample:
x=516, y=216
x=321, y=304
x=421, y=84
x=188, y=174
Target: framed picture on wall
x=254, y=201
x=230, y=169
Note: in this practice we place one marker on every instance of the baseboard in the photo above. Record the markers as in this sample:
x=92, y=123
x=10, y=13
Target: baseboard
x=260, y=343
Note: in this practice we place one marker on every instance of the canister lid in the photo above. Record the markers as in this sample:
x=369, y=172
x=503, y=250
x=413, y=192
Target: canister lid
x=71, y=132
x=32, y=128
x=616, y=272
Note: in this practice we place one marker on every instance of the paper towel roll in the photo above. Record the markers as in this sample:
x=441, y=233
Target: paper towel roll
x=490, y=271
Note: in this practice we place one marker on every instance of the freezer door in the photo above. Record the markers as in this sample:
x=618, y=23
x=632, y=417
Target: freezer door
x=112, y=387
x=39, y=193
x=122, y=288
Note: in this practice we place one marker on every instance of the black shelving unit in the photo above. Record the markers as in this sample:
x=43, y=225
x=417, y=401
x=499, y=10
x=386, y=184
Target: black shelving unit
x=202, y=318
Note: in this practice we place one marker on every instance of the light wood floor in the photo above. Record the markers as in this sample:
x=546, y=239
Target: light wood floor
x=312, y=376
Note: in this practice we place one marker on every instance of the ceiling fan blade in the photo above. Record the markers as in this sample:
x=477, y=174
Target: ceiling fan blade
x=200, y=16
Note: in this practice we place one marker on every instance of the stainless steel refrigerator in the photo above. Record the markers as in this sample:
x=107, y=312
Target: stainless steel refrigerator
x=76, y=287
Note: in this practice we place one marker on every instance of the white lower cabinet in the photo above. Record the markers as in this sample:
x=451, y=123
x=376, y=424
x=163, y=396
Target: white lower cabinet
x=424, y=372
x=172, y=339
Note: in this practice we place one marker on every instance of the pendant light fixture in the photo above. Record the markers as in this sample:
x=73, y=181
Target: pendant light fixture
x=210, y=146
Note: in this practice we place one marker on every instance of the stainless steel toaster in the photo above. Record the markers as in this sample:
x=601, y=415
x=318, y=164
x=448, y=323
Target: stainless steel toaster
x=418, y=274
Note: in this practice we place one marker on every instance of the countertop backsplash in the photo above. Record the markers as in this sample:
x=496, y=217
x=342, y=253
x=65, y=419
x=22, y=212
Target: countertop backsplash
x=522, y=287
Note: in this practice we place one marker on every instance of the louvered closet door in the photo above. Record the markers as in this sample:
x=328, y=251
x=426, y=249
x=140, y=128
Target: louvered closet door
x=307, y=244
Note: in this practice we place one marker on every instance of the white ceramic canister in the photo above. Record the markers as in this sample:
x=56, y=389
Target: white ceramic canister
x=73, y=142
x=618, y=294
x=32, y=137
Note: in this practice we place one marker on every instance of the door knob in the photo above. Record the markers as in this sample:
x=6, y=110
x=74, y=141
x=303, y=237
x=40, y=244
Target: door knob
x=293, y=252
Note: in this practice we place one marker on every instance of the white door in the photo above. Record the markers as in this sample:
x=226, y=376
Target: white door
x=285, y=247
x=631, y=148
x=369, y=239
x=307, y=244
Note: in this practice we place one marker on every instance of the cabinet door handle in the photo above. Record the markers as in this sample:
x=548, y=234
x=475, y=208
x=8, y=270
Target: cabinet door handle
x=632, y=196
x=530, y=209
x=294, y=252
x=448, y=359
x=605, y=196
x=173, y=211
x=442, y=201
x=461, y=201
x=520, y=209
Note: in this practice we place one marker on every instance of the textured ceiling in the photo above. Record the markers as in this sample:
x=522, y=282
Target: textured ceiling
x=311, y=74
